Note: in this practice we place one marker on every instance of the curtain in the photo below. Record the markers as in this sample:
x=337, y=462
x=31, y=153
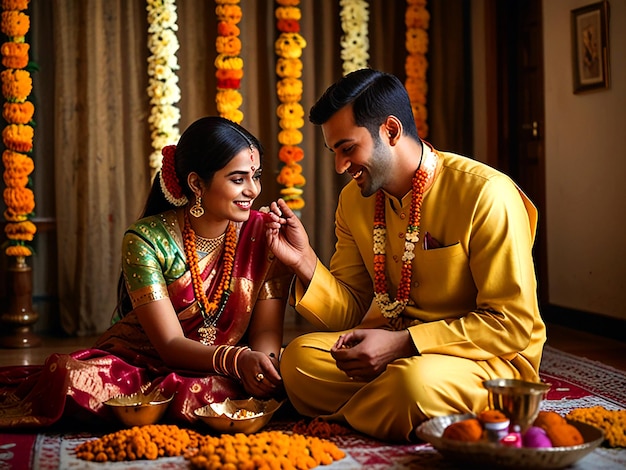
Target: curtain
x=92, y=141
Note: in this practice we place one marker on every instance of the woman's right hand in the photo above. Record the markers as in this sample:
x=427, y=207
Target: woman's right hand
x=289, y=241
x=259, y=375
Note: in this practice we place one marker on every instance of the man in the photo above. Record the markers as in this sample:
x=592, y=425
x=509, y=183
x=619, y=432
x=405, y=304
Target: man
x=431, y=289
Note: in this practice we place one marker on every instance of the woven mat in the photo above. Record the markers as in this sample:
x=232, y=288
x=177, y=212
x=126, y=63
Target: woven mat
x=576, y=382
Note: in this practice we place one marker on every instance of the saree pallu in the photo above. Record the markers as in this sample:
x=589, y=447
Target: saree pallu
x=123, y=361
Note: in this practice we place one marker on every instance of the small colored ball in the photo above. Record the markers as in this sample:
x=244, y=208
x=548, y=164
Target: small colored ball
x=535, y=437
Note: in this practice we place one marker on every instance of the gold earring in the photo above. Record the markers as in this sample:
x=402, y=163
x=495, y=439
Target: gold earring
x=197, y=210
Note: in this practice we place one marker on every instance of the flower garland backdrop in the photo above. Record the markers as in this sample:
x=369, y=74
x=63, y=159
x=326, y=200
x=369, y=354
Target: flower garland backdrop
x=289, y=88
x=417, y=20
x=163, y=87
x=354, y=41
x=18, y=133
x=228, y=63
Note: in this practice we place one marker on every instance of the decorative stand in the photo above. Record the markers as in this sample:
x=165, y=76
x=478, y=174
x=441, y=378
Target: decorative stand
x=20, y=317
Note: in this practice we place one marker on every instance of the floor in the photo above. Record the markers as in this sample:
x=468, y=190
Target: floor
x=580, y=343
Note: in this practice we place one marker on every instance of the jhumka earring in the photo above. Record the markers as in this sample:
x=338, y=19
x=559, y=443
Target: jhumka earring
x=197, y=210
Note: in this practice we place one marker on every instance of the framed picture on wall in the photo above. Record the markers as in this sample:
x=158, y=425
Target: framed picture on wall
x=590, y=46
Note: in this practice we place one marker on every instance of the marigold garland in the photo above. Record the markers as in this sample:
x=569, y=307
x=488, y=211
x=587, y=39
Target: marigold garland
x=417, y=20
x=289, y=89
x=210, y=308
x=18, y=134
x=163, y=89
x=228, y=63
x=354, y=41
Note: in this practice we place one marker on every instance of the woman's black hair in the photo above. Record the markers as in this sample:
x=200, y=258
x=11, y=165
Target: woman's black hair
x=206, y=146
x=374, y=96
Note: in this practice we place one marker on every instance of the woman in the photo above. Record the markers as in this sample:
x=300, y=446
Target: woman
x=202, y=298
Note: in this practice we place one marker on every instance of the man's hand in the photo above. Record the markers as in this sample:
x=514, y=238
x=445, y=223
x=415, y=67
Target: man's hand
x=363, y=354
x=289, y=241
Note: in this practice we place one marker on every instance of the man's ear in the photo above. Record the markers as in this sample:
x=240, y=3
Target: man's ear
x=393, y=129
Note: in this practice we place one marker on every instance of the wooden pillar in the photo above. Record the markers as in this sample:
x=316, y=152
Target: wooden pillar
x=20, y=317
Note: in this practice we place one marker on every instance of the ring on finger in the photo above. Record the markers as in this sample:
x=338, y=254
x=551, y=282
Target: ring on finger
x=259, y=377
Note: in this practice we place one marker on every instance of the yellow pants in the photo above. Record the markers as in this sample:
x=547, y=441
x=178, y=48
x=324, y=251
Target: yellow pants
x=391, y=406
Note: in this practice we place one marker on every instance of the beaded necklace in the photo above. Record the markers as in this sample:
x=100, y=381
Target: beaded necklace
x=391, y=309
x=211, y=310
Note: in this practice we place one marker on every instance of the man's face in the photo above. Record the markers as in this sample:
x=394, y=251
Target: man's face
x=367, y=160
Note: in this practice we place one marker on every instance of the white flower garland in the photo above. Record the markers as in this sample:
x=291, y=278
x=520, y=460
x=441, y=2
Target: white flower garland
x=355, y=41
x=163, y=87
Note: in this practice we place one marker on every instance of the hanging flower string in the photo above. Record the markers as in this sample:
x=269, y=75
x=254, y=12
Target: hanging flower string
x=228, y=62
x=288, y=47
x=163, y=87
x=354, y=41
x=417, y=20
x=18, y=133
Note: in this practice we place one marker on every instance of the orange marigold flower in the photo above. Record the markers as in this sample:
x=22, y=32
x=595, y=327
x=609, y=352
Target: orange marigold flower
x=291, y=175
x=288, y=3
x=290, y=154
x=16, y=84
x=225, y=28
x=291, y=68
x=18, y=113
x=14, y=54
x=14, y=4
x=417, y=17
x=229, y=45
x=13, y=179
x=17, y=162
x=18, y=250
x=229, y=74
x=416, y=41
x=18, y=137
x=20, y=200
x=229, y=13
x=24, y=231
x=14, y=23
x=12, y=216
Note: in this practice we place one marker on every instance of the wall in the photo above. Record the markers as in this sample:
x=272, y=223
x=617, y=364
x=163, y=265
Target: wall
x=585, y=170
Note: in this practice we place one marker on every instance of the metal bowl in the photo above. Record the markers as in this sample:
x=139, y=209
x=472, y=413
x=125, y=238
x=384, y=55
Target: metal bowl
x=139, y=409
x=235, y=416
x=484, y=454
x=517, y=399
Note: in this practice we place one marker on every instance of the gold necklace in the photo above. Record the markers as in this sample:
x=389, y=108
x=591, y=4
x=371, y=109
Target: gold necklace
x=209, y=245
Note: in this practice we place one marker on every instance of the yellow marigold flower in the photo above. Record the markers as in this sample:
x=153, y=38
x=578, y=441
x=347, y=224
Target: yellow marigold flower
x=14, y=4
x=14, y=54
x=229, y=45
x=291, y=68
x=289, y=90
x=14, y=23
x=290, y=137
x=229, y=13
x=293, y=110
x=288, y=13
x=291, y=123
x=223, y=61
x=18, y=250
x=18, y=137
x=24, y=231
x=20, y=200
x=228, y=99
x=227, y=2
x=18, y=113
x=235, y=115
x=289, y=45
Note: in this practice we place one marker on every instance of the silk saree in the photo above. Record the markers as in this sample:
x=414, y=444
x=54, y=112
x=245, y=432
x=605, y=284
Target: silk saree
x=123, y=361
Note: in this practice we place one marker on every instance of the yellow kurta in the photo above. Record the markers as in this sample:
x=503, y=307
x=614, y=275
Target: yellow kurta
x=473, y=312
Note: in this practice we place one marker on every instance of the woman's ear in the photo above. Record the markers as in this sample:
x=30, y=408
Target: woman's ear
x=195, y=183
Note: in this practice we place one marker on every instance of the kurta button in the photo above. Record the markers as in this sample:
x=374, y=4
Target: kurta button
x=401, y=235
x=403, y=216
x=416, y=284
x=395, y=258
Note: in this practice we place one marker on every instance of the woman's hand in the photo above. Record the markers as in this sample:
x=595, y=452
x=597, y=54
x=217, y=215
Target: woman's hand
x=259, y=374
x=289, y=241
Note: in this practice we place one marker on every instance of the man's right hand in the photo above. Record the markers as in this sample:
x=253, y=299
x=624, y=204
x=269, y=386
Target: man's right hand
x=289, y=241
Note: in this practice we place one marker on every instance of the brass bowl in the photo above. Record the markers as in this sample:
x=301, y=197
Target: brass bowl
x=517, y=399
x=235, y=416
x=139, y=409
x=485, y=454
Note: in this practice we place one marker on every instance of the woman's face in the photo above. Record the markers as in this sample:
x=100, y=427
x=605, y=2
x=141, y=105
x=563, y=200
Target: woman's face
x=234, y=188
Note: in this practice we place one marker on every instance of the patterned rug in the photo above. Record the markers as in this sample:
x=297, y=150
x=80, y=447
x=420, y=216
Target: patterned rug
x=576, y=382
